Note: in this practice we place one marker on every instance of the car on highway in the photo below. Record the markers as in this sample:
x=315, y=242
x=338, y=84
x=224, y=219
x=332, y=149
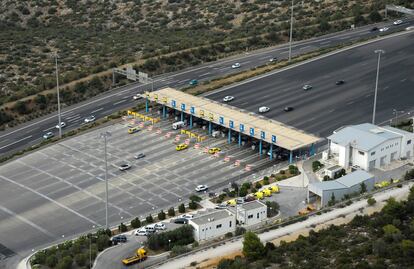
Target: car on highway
x=124, y=167
x=340, y=82
x=383, y=29
x=214, y=150
x=263, y=109
x=137, y=96
x=228, y=98
x=139, y=156
x=133, y=130
x=273, y=59
x=200, y=188
x=181, y=147
x=141, y=232
x=374, y=29
x=48, y=135
x=181, y=221
x=193, y=82
x=288, y=108
x=89, y=119
x=62, y=125
x=409, y=28
x=160, y=226
x=307, y=87
x=236, y=65
x=398, y=22
x=119, y=239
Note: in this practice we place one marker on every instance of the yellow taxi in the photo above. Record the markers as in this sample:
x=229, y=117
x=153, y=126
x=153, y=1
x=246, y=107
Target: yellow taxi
x=214, y=150
x=181, y=147
x=133, y=130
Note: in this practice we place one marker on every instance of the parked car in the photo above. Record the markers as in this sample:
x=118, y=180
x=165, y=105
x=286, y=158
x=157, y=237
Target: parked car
x=228, y=98
x=181, y=221
x=235, y=65
x=124, y=166
x=263, y=109
x=62, y=125
x=48, y=135
x=201, y=188
x=139, y=156
x=119, y=239
x=398, y=22
x=288, y=108
x=141, y=232
x=160, y=226
x=221, y=206
x=89, y=119
x=186, y=216
x=150, y=229
x=307, y=87
x=133, y=130
x=340, y=82
x=193, y=82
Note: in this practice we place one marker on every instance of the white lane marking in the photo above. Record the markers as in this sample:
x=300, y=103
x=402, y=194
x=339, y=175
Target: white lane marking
x=325, y=42
x=117, y=103
x=206, y=74
x=48, y=129
x=264, y=58
x=305, y=47
x=245, y=103
x=181, y=81
x=350, y=102
x=284, y=52
x=20, y=140
x=49, y=199
x=34, y=225
x=368, y=95
x=404, y=79
x=246, y=62
x=96, y=110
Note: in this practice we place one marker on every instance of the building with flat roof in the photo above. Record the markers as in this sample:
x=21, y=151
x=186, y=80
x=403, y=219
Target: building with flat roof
x=322, y=192
x=213, y=224
x=368, y=146
x=250, y=213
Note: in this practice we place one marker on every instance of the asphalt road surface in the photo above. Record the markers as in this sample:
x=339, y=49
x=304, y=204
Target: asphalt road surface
x=28, y=134
x=328, y=106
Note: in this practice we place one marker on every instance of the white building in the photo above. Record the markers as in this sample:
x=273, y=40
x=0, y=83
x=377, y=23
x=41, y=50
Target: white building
x=251, y=213
x=321, y=192
x=213, y=224
x=369, y=146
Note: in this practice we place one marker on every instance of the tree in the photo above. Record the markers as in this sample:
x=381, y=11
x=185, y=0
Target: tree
x=65, y=263
x=51, y=260
x=20, y=107
x=324, y=25
x=316, y=165
x=272, y=208
x=240, y=231
x=136, y=223
x=374, y=16
x=408, y=247
x=192, y=205
x=363, y=188
x=253, y=249
x=181, y=209
x=161, y=215
x=103, y=242
x=332, y=201
x=122, y=228
x=195, y=198
x=371, y=201
x=80, y=259
x=149, y=219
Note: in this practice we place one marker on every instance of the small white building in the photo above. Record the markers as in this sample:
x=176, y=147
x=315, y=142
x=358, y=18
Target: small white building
x=213, y=224
x=369, y=146
x=251, y=213
x=321, y=192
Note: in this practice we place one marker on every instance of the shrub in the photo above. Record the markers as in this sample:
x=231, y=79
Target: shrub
x=149, y=219
x=195, y=198
x=135, y=223
x=178, y=237
x=246, y=185
x=371, y=201
x=80, y=259
x=194, y=244
x=122, y=228
x=258, y=185
x=316, y=165
x=161, y=215
x=65, y=263
x=181, y=209
x=177, y=250
x=228, y=235
x=192, y=205
x=240, y=231
x=51, y=260
x=171, y=210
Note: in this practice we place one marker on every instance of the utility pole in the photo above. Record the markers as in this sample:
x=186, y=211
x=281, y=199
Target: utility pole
x=379, y=52
x=291, y=32
x=58, y=97
x=105, y=135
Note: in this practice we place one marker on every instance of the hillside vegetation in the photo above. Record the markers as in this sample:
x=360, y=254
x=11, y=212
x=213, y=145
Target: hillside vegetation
x=157, y=36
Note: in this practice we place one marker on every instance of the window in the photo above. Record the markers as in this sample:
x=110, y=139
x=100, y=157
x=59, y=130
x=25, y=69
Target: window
x=387, y=147
x=382, y=149
x=218, y=226
x=258, y=215
x=250, y=216
x=361, y=153
x=408, y=142
x=372, y=153
x=230, y=224
x=202, y=230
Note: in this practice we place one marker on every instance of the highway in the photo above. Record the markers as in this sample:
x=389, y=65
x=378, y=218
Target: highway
x=328, y=106
x=30, y=133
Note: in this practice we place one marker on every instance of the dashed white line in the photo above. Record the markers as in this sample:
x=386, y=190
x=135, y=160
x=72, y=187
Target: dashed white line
x=27, y=137
x=206, y=74
x=305, y=47
x=404, y=79
x=97, y=110
x=117, y=103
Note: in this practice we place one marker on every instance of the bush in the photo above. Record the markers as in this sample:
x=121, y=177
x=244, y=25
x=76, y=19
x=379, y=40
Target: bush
x=316, y=165
x=171, y=210
x=240, y=231
x=246, y=185
x=177, y=250
x=194, y=244
x=80, y=259
x=178, y=237
x=161, y=215
x=135, y=223
x=149, y=219
x=228, y=235
x=122, y=228
x=192, y=205
x=51, y=260
x=195, y=198
x=371, y=201
x=272, y=208
x=65, y=263
x=282, y=172
x=258, y=185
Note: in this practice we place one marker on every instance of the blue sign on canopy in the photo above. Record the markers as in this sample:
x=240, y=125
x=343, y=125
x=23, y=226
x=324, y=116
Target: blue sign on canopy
x=173, y=103
x=231, y=124
x=273, y=138
x=251, y=131
x=262, y=135
x=182, y=107
x=192, y=110
x=221, y=120
x=241, y=127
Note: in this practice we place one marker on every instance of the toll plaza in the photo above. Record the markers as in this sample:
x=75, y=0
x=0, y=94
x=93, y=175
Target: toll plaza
x=239, y=124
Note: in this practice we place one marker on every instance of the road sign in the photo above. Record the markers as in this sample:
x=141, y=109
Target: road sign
x=252, y=131
x=192, y=110
x=131, y=73
x=231, y=124
x=241, y=127
x=262, y=135
x=221, y=120
x=143, y=77
x=273, y=139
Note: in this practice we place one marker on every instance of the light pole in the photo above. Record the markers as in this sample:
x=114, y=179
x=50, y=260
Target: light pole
x=169, y=244
x=291, y=32
x=58, y=96
x=379, y=52
x=105, y=135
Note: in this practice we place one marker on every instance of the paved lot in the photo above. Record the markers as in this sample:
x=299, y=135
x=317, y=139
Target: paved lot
x=59, y=191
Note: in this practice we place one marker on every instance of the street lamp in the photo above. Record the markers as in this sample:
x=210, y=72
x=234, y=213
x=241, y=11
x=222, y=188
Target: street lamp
x=169, y=244
x=90, y=247
x=291, y=32
x=58, y=96
x=105, y=135
x=379, y=52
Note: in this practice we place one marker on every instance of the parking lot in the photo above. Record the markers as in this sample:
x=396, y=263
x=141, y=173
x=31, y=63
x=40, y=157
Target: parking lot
x=59, y=191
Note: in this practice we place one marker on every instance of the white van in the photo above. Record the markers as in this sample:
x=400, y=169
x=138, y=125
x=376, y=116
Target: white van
x=150, y=229
x=178, y=125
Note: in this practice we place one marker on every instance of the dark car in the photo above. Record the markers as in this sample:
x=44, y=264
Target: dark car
x=288, y=108
x=340, y=82
x=119, y=239
x=374, y=29
x=181, y=221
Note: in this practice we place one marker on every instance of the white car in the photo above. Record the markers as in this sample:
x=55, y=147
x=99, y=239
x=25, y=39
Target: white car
x=236, y=65
x=200, y=188
x=186, y=216
x=383, y=29
x=89, y=119
x=160, y=226
x=228, y=98
x=48, y=135
x=62, y=125
x=398, y=22
x=307, y=87
x=137, y=96
x=263, y=109
x=124, y=166
x=141, y=232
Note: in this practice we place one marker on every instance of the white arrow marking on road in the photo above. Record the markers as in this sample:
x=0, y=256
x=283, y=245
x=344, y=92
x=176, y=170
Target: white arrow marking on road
x=16, y=142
